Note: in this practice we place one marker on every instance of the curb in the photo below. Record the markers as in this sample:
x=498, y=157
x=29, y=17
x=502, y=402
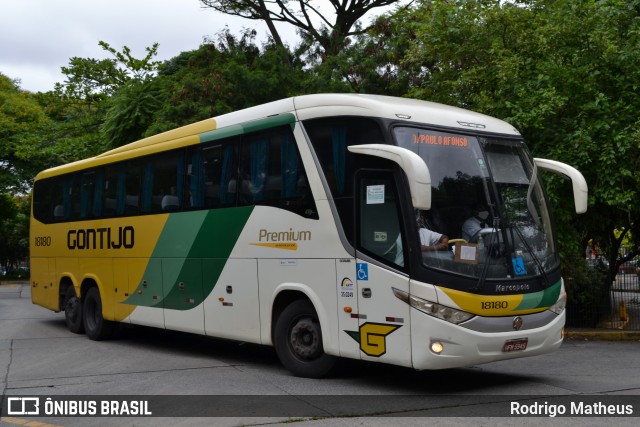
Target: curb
x=601, y=334
x=13, y=282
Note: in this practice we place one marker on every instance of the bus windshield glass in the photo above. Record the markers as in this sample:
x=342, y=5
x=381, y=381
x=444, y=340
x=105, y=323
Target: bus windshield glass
x=487, y=199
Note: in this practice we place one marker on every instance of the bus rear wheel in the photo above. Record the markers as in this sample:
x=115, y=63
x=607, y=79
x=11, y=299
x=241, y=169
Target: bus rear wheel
x=298, y=341
x=73, y=311
x=96, y=327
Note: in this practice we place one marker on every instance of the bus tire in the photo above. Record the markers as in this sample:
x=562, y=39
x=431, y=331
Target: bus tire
x=298, y=341
x=73, y=311
x=96, y=327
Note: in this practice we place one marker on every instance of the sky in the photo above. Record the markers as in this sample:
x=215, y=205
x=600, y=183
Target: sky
x=37, y=37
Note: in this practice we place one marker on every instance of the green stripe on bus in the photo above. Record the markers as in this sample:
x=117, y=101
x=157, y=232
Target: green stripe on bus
x=253, y=126
x=545, y=298
x=189, y=257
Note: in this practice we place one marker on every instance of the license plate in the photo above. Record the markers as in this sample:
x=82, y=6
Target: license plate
x=515, y=345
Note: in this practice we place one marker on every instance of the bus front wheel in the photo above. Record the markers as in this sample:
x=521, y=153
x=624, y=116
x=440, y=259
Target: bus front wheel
x=73, y=311
x=298, y=341
x=96, y=327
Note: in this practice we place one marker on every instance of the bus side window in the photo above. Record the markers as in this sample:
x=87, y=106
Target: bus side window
x=255, y=167
x=71, y=198
x=98, y=192
x=133, y=188
x=110, y=193
x=211, y=173
x=48, y=200
x=86, y=194
x=164, y=182
x=272, y=173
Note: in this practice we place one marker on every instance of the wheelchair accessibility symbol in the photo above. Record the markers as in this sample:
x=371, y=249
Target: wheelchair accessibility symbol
x=362, y=270
x=518, y=266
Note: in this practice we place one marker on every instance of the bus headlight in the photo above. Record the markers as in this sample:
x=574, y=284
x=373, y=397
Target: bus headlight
x=559, y=306
x=440, y=311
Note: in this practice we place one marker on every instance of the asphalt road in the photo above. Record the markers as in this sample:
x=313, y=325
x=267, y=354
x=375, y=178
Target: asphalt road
x=243, y=384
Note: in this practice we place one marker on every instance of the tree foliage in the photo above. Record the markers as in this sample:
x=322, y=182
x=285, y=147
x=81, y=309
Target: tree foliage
x=21, y=121
x=14, y=230
x=93, y=79
x=123, y=89
x=224, y=75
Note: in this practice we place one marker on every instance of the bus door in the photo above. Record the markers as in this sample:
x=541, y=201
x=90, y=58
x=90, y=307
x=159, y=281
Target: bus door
x=383, y=329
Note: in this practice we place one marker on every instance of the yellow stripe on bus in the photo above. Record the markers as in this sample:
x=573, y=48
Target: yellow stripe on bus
x=489, y=305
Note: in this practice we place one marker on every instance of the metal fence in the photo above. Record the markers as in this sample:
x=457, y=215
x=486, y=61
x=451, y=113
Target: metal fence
x=625, y=297
x=615, y=307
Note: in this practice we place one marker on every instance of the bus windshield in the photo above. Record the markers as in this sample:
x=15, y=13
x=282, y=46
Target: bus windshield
x=487, y=199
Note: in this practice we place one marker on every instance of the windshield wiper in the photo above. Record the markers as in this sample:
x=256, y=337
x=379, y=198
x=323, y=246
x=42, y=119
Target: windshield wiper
x=483, y=276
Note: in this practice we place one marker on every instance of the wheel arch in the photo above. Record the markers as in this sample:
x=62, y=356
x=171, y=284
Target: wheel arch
x=88, y=283
x=287, y=293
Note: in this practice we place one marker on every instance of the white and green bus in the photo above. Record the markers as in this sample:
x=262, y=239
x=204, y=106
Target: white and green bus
x=293, y=224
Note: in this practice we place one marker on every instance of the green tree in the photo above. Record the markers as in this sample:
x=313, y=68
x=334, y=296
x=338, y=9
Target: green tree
x=93, y=79
x=223, y=76
x=21, y=119
x=116, y=97
x=14, y=230
x=131, y=110
x=375, y=61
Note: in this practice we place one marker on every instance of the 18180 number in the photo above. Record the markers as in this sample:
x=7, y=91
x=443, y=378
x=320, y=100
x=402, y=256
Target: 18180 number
x=493, y=305
x=43, y=240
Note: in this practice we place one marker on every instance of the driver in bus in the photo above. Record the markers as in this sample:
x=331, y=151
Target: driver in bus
x=475, y=223
x=430, y=240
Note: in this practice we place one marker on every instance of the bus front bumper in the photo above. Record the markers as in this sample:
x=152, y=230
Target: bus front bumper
x=461, y=347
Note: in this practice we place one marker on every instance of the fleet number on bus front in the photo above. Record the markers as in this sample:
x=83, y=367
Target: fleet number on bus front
x=43, y=241
x=493, y=305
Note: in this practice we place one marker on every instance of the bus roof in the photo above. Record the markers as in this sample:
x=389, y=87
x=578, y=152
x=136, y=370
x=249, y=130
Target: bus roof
x=306, y=107
x=395, y=108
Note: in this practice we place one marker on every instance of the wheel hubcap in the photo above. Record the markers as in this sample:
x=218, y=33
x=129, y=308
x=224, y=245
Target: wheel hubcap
x=305, y=339
x=71, y=310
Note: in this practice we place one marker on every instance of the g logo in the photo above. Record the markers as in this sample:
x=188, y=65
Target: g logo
x=373, y=337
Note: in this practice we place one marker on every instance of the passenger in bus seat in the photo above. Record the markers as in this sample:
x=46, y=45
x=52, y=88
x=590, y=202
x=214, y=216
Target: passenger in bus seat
x=430, y=240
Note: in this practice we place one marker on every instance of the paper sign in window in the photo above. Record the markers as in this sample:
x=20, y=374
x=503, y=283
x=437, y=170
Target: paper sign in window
x=467, y=252
x=375, y=194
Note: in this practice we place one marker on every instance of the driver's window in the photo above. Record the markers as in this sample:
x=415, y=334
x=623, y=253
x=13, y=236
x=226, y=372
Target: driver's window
x=379, y=231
